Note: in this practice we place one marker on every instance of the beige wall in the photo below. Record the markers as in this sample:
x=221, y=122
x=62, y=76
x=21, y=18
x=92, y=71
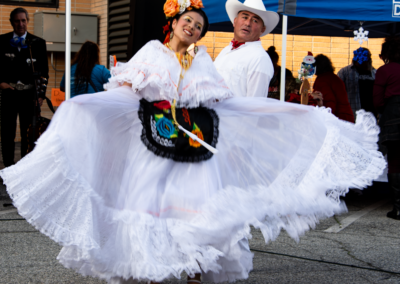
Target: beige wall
x=339, y=49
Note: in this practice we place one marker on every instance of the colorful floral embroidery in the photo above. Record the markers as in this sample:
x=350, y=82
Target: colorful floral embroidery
x=196, y=131
x=163, y=105
x=162, y=126
x=154, y=133
x=185, y=114
x=158, y=125
x=165, y=127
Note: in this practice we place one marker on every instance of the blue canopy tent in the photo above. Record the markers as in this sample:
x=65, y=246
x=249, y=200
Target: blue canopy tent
x=316, y=17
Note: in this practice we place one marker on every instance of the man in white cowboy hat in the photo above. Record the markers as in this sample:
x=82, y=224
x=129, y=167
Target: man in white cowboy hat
x=244, y=64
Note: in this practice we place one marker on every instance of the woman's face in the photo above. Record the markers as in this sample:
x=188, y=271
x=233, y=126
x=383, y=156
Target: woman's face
x=188, y=28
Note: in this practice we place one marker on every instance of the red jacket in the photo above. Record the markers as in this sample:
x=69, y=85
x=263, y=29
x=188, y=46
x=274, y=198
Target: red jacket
x=335, y=96
x=387, y=84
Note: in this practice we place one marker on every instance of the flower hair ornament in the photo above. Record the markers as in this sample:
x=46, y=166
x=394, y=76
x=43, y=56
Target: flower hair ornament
x=174, y=7
x=360, y=55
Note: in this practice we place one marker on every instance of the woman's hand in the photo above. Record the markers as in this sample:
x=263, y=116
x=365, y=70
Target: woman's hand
x=127, y=84
x=318, y=97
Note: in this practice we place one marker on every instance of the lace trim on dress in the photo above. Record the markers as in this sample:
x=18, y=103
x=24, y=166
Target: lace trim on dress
x=157, y=67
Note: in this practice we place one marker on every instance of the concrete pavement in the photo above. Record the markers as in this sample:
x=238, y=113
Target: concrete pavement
x=363, y=239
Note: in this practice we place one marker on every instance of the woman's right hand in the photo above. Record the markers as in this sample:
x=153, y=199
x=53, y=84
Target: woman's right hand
x=318, y=97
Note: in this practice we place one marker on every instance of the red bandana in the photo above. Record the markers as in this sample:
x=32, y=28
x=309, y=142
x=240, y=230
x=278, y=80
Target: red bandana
x=236, y=44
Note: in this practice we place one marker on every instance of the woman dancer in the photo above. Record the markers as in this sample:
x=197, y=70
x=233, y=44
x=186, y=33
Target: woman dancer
x=165, y=174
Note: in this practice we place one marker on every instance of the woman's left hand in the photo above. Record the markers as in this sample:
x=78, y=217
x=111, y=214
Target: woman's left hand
x=318, y=97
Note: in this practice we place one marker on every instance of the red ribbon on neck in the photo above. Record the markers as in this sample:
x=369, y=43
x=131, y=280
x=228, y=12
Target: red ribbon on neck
x=236, y=44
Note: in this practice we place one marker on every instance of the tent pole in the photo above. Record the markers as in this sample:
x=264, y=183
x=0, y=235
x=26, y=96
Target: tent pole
x=67, y=49
x=283, y=58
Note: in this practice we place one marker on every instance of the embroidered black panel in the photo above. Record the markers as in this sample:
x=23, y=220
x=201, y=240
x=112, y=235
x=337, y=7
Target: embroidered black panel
x=162, y=138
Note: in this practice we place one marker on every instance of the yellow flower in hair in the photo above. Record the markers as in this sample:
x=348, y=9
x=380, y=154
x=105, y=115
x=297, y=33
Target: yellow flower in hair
x=196, y=4
x=171, y=8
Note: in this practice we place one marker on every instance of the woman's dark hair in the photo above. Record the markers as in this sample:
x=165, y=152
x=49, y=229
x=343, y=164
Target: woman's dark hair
x=391, y=49
x=323, y=64
x=272, y=54
x=86, y=58
x=201, y=13
x=18, y=11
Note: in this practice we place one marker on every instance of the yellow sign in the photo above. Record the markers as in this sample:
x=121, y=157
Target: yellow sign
x=57, y=97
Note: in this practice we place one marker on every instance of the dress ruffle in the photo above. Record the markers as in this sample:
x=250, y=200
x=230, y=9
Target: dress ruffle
x=156, y=67
x=121, y=211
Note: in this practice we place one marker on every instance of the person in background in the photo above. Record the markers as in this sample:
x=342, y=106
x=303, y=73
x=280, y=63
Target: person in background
x=87, y=75
x=17, y=83
x=329, y=86
x=275, y=83
x=293, y=96
x=359, y=79
x=292, y=87
x=386, y=95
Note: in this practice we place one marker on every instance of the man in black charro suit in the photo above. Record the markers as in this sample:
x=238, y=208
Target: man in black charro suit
x=16, y=81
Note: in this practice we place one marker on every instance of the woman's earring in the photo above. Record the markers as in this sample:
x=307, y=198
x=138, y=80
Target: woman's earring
x=171, y=35
x=195, y=49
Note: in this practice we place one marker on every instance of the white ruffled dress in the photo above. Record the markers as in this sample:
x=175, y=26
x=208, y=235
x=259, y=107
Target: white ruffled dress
x=121, y=212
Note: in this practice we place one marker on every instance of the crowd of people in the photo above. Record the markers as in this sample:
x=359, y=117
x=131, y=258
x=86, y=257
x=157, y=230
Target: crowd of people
x=166, y=170
x=355, y=88
x=345, y=93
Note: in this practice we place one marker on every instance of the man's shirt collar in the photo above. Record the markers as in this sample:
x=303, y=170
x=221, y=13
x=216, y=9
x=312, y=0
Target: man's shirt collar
x=23, y=36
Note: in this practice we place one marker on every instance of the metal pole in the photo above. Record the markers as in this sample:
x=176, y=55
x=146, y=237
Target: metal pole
x=67, y=49
x=283, y=58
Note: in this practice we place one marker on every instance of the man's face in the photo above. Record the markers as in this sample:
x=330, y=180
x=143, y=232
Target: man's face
x=248, y=27
x=361, y=67
x=20, y=24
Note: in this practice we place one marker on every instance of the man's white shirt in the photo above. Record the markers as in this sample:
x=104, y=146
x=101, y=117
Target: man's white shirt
x=247, y=70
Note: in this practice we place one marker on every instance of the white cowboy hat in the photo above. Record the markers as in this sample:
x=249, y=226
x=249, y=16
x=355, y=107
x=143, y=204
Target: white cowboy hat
x=271, y=19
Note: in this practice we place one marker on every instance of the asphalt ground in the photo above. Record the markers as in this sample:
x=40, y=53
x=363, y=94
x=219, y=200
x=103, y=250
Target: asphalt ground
x=361, y=246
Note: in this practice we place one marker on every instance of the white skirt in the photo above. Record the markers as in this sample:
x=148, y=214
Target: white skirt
x=119, y=210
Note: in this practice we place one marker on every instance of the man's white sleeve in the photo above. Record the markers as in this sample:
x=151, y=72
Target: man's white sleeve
x=261, y=73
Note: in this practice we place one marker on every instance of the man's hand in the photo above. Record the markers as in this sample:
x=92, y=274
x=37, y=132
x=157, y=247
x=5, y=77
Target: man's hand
x=4, y=86
x=40, y=100
x=318, y=97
